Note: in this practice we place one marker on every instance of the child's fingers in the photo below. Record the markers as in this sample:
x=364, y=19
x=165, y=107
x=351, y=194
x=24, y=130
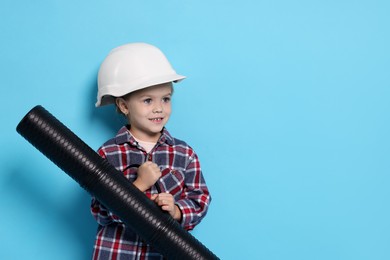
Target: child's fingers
x=166, y=208
x=165, y=195
x=165, y=200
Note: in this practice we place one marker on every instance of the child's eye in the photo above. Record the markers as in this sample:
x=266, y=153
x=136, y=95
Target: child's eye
x=166, y=99
x=148, y=101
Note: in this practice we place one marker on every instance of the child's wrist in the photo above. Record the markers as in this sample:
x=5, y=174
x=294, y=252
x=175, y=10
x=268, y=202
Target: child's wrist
x=139, y=184
x=177, y=215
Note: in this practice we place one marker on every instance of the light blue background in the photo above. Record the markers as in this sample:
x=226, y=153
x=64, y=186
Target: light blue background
x=286, y=103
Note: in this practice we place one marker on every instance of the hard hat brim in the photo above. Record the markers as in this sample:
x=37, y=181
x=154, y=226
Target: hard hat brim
x=109, y=93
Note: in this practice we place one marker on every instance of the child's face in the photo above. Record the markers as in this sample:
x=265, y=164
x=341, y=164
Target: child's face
x=147, y=111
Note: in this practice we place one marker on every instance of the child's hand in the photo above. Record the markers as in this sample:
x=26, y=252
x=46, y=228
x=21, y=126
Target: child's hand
x=148, y=173
x=167, y=203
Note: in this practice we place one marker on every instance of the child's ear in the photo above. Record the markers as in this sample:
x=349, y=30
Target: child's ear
x=122, y=106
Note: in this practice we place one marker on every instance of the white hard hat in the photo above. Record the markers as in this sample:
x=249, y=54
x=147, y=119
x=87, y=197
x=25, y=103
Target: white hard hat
x=131, y=67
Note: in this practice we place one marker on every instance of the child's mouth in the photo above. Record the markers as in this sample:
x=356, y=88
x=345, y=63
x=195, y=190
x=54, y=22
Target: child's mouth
x=156, y=120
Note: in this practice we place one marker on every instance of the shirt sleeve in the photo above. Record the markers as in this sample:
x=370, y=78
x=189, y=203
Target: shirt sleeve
x=195, y=198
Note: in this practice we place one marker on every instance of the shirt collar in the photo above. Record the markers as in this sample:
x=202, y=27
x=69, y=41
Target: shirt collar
x=124, y=136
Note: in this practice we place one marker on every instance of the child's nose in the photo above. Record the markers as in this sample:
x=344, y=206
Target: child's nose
x=157, y=108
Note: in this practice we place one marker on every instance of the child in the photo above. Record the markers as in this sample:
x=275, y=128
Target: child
x=138, y=78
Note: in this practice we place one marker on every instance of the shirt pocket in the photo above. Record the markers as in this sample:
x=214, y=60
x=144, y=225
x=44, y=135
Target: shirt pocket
x=172, y=181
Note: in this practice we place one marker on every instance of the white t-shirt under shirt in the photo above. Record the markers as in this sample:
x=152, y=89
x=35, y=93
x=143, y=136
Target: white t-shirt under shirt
x=148, y=146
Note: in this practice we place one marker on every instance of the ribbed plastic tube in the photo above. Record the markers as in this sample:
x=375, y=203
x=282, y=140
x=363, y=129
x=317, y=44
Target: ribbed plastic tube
x=109, y=186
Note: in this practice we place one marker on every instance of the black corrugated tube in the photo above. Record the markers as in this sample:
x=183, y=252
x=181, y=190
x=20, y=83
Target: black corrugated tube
x=109, y=186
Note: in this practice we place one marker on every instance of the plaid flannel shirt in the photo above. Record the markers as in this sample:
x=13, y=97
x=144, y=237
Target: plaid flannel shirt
x=181, y=176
